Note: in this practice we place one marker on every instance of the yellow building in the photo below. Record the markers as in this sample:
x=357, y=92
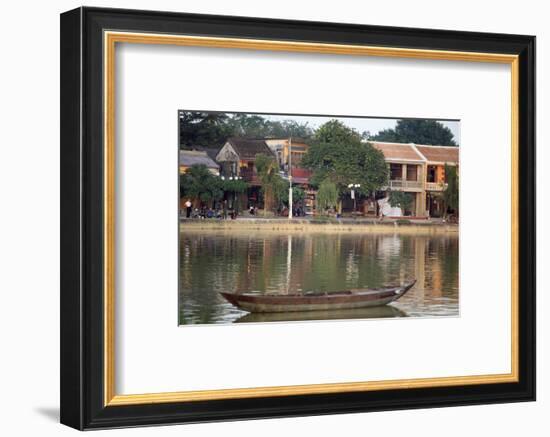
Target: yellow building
x=420, y=171
x=285, y=148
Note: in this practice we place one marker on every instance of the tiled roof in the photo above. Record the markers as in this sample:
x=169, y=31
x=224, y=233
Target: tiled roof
x=413, y=152
x=439, y=154
x=247, y=148
x=398, y=151
x=194, y=157
x=210, y=151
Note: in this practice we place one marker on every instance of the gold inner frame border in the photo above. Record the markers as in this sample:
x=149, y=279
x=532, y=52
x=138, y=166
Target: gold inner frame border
x=111, y=38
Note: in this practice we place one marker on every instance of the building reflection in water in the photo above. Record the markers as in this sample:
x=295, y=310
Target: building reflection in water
x=293, y=263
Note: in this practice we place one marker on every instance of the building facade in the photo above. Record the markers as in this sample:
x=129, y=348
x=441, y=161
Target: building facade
x=237, y=159
x=420, y=171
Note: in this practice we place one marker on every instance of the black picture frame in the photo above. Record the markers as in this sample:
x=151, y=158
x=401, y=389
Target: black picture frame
x=82, y=215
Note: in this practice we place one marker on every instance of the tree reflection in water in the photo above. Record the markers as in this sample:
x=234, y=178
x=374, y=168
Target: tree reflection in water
x=262, y=262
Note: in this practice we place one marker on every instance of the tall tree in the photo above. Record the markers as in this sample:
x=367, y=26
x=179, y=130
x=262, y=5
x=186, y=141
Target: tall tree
x=272, y=183
x=252, y=125
x=418, y=132
x=298, y=195
x=450, y=195
x=205, y=129
x=199, y=183
x=339, y=154
x=400, y=199
x=234, y=187
x=327, y=195
x=211, y=130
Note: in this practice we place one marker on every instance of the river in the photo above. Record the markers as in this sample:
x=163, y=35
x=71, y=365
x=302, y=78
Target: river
x=279, y=262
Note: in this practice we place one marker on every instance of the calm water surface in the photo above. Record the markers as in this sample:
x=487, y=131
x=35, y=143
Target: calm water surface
x=271, y=262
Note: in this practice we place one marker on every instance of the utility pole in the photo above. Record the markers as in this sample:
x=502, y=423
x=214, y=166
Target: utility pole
x=290, y=177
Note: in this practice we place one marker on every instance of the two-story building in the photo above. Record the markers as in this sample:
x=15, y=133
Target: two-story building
x=289, y=151
x=238, y=155
x=420, y=171
x=436, y=158
x=406, y=173
x=237, y=158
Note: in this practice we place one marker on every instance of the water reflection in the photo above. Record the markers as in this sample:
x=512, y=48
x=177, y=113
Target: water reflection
x=359, y=313
x=212, y=261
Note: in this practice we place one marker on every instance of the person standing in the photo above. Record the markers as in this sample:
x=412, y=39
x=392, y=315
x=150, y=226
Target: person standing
x=225, y=209
x=189, y=208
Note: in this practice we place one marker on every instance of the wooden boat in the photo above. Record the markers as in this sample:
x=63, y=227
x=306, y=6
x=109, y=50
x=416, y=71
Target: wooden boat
x=338, y=300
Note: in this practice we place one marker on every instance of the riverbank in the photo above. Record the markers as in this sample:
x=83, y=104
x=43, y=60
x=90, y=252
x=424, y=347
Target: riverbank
x=321, y=225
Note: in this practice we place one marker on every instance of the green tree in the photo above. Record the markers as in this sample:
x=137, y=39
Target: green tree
x=212, y=129
x=205, y=129
x=327, y=195
x=252, y=125
x=272, y=183
x=339, y=154
x=297, y=195
x=450, y=195
x=199, y=183
x=291, y=128
x=400, y=199
x=418, y=132
x=234, y=187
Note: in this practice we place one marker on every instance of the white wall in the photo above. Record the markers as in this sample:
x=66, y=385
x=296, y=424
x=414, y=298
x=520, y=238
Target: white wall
x=29, y=231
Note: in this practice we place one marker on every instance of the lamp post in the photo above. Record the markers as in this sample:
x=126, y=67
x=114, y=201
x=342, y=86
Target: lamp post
x=352, y=187
x=290, y=177
x=235, y=203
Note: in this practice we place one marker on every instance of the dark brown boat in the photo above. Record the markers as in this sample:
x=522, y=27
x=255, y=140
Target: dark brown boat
x=338, y=300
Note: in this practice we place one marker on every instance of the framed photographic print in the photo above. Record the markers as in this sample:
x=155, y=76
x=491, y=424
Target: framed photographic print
x=271, y=218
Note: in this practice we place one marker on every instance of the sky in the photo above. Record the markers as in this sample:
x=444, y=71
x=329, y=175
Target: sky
x=371, y=124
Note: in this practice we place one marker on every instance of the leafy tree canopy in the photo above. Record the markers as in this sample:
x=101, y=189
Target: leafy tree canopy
x=338, y=153
x=400, y=199
x=199, y=183
x=206, y=129
x=327, y=195
x=450, y=195
x=273, y=185
x=298, y=195
x=203, y=129
x=234, y=185
x=418, y=132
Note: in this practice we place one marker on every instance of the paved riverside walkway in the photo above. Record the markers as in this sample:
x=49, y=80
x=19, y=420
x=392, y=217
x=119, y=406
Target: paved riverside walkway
x=321, y=224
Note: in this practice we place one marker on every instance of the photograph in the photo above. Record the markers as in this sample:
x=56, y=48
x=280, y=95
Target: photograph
x=287, y=217
x=262, y=216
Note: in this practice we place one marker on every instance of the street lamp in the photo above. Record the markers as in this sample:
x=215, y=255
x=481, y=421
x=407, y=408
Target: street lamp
x=235, y=201
x=352, y=187
x=290, y=177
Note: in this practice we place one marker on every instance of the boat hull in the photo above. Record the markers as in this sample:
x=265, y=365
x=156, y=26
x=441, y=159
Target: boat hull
x=317, y=302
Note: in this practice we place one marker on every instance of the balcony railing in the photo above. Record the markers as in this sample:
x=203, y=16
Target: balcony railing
x=435, y=186
x=248, y=175
x=404, y=185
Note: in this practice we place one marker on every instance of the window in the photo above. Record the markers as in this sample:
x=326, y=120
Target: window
x=396, y=172
x=412, y=172
x=296, y=158
x=431, y=173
